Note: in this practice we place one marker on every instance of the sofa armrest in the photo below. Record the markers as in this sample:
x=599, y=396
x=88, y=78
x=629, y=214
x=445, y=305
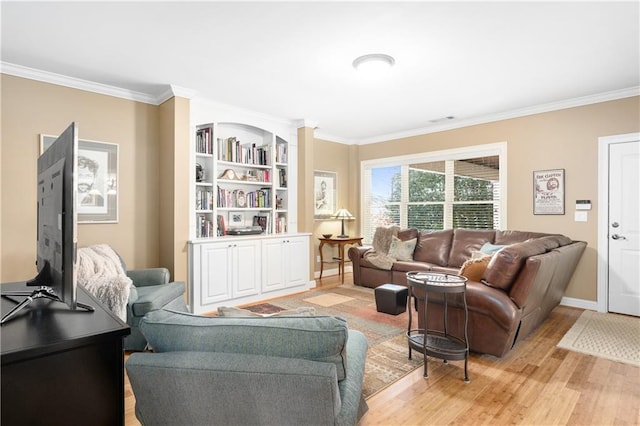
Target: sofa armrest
x=353, y=404
x=178, y=388
x=356, y=253
x=149, y=276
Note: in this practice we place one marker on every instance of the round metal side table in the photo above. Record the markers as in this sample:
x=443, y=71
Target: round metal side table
x=438, y=343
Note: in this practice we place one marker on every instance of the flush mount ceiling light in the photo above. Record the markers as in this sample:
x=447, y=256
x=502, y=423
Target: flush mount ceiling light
x=374, y=63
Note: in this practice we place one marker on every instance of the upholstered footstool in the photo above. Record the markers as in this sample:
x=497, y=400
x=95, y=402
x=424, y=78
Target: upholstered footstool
x=391, y=298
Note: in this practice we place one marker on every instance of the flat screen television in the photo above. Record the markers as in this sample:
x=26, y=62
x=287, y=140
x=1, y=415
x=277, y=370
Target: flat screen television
x=57, y=229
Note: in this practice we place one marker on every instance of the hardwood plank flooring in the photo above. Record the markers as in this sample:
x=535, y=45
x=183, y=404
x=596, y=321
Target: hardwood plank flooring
x=535, y=384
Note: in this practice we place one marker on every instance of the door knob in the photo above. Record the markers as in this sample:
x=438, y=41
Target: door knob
x=615, y=224
x=618, y=237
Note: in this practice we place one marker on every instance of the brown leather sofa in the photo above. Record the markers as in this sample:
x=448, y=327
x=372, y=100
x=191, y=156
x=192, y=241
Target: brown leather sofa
x=523, y=282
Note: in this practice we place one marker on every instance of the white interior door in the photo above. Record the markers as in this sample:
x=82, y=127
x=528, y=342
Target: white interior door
x=624, y=228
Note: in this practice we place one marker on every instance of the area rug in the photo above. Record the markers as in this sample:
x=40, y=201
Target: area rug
x=387, y=357
x=611, y=336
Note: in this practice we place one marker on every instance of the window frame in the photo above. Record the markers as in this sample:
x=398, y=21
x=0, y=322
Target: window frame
x=484, y=150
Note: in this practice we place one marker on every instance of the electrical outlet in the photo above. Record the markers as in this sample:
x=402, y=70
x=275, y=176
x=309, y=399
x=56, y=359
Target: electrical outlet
x=318, y=259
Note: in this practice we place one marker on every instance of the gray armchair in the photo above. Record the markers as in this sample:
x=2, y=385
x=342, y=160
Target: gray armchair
x=151, y=291
x=248, y=371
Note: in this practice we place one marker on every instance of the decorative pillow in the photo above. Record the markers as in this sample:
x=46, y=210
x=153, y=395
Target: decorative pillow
x=402, y=250
x=227, y=311
x=488, y=248
x=474, y=269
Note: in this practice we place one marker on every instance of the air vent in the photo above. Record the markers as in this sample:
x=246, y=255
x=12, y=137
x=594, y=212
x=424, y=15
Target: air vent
x=441, y=119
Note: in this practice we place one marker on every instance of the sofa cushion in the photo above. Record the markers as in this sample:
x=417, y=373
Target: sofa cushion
x=434, y=247
x=408, y=234
x=465, y=242
x=320, y=338
x=402, y=250
x=512, y=236
x=506, y=263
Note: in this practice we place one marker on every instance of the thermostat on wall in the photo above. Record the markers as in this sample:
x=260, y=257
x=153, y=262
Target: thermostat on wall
x=583, y=204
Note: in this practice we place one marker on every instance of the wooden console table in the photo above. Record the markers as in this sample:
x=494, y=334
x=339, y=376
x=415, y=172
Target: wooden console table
x=62, y=367
x=341, y=243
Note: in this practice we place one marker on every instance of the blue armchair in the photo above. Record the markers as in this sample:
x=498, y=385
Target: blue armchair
x=151, y=291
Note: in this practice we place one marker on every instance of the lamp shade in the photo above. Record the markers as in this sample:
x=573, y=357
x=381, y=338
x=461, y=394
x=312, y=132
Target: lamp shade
x=343, y=214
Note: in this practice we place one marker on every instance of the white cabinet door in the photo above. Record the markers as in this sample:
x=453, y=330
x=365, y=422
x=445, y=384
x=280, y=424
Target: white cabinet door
x=285, y=263
x=273, y=259
x=216, y=273
x=297, y=264
x=246, y=257
x=229, y=270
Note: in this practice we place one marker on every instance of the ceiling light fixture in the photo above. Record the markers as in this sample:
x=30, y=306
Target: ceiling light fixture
x=374, y=63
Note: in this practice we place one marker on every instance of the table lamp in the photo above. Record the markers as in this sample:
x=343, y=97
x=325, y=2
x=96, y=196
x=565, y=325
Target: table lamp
x=343, y=214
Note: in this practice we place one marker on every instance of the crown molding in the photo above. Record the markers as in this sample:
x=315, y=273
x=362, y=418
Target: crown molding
x=76, y=83
x=172, y=90
x=506, y=115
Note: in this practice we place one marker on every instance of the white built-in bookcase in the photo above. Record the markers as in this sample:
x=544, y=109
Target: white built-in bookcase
x=243, y=174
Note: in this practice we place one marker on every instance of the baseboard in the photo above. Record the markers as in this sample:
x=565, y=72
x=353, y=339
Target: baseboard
x=334, y=271
x=579, y=303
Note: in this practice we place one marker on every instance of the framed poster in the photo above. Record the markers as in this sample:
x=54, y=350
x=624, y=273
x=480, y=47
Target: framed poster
x=324, y=189
x=97, y=180
x=548, y=191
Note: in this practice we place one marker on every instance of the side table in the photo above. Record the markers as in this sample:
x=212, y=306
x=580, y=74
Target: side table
x=341, y=243
x=436, y=343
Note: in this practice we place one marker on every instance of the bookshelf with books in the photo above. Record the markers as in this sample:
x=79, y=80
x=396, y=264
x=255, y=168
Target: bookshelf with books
x=244, y=210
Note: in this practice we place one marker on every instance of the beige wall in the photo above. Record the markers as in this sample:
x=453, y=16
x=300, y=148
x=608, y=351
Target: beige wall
x=335, y=157
x=153, y=221
x=174, y=197
x=30, y=108
x=566, y=139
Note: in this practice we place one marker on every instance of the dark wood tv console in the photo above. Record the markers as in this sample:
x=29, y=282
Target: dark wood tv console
x=62, y=367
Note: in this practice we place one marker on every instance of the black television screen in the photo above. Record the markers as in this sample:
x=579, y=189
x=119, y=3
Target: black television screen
x=57, y=230
x=57, y=217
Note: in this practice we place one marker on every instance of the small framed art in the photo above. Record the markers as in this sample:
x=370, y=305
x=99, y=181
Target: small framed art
x=236, y=219
x=548, y=191
x=97, y=179
x=325, y=200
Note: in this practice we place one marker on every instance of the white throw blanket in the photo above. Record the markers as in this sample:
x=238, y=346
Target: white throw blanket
x=379, y=256
x=100, y=272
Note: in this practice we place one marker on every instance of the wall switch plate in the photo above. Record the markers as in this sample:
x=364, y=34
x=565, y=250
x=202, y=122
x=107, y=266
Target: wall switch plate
x=318, y=259
x=581, y=216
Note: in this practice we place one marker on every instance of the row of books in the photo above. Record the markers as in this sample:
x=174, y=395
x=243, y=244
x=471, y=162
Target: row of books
x=204, y=200
x=282, y=174
x=204, y=142
x=281, y=224
x=204, y=228
x=238, y=198
x=232, y=150
x=281, y=153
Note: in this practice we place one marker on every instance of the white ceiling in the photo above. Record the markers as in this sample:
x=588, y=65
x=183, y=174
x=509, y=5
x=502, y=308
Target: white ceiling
x=476, y=60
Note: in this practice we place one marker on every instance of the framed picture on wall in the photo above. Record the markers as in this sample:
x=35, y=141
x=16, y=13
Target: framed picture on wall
x=97, y=180
x=548, y=191
x=325, y=194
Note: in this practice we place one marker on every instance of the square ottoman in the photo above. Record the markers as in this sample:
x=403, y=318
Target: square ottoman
x=391, y=298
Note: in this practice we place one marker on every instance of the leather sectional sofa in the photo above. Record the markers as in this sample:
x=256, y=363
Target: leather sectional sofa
x=523, y=282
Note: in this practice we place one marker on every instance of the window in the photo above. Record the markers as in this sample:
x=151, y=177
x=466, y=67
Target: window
x=431, y=191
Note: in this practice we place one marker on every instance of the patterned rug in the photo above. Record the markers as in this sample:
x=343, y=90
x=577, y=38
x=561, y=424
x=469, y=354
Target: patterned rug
x=387, y=357
x=611, y=336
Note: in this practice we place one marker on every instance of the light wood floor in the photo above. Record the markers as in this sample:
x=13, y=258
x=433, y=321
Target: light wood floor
x=535, y=384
